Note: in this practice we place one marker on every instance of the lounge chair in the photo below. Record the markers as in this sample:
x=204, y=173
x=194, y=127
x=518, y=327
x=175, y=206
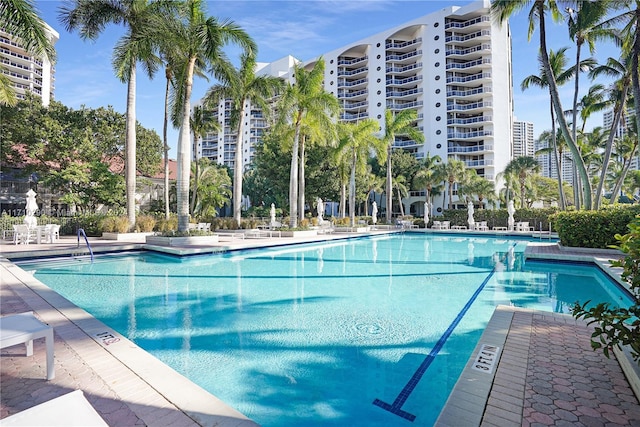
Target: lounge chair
x=482, y=226
x=22, y=234
x=436, y=225
x=69, y=410
x=23, y=328
x=445, y=225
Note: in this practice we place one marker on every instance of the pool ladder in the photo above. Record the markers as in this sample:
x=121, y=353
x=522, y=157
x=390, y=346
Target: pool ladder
x=81, y=231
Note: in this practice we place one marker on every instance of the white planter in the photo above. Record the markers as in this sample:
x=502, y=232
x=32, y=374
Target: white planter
x=182, y=241
x=126, y=237
x=299, y=233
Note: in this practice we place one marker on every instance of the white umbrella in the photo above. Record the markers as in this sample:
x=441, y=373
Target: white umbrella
x=320, y=210
x=31, y=207
x=374, y=212
x=511, y=210
x=426, y=213
x=273, y=215
x=470, y=219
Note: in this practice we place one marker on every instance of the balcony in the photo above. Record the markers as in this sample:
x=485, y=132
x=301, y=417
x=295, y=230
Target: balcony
x=466, y=24
x=346, y=83
x=465, y=38
x=471, y=92
x=453, y=106
x=352, y=61
x=404, y=70
x=394, y=93
x=354, y=105
x=355, y=72
x=457, y=149
x=467, y=65
x=469, y=120
x=403, y=82
x=351, y=117
x=401, y=45
x=459, y=51
x=358, y=94
x=402, y=58
x=403, y=105
x=469, y=78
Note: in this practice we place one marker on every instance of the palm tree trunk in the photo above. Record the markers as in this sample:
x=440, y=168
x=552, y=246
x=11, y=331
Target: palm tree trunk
x=184, y=153
x=130, y=163
x=556, y=158
x=352, y=192
x=555, y=97
x=450, y=195
x=301, y=180
x=293, y=178
x=617, y=116
x=194, y=194
x=166, y=149
x=625, y=169
x=237, y=171
x=400, y=203
x=343, y=200
x=389, y=190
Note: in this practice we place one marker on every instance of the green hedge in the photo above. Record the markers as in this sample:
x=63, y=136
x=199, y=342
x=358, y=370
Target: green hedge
x=499, y=217
x=594, y=229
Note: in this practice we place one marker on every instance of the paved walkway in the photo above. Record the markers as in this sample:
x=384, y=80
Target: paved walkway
x=546, y=374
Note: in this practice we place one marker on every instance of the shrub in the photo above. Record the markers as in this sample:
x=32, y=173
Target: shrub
x=145, y=223
x=594, y=229
x=619, y=326
x=115, y=224
x=164, y=225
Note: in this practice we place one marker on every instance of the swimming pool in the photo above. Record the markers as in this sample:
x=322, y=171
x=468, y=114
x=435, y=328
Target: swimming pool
x=324, y=334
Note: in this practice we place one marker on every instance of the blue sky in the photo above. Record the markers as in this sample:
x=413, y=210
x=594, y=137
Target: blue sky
x=303, y=29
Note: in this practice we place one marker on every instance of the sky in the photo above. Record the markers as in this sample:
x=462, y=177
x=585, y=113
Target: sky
x=304, y=29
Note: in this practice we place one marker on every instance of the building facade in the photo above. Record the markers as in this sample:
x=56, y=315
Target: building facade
x=444, y=65
x=524, y=143
x=29, y=73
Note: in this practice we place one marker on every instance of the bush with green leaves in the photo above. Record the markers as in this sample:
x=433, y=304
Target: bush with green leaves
x=619, y=326
x=594, y=229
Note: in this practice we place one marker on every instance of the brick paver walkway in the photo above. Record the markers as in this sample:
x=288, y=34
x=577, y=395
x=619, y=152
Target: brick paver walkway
x=548, y=376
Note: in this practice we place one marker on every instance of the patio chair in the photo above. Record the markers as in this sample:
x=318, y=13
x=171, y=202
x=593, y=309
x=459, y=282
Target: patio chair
x=445, y=225
x=71, y=409
x=23, y=328
x=436, y=225
x=22, y=234
x=482, y=226
x=54, y=233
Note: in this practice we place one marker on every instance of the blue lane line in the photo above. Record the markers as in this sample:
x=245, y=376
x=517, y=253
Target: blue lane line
x=396, y=406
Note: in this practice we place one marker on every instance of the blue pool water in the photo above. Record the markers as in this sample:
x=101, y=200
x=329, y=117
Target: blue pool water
x=315, y=334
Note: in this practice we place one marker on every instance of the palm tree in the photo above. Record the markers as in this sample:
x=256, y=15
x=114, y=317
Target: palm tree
x=400, y=123
x=401, y=190
x=20, y=19
x=243, y=88
x=356, y=141
x=201, y=125
x=618, y=96
x=627, y=148
x=374, y=184
x=91, y=17
x=481, y=187
x=214, y=189
x=522, y=167
x=427, y=176
x=558, y=61
x=584, y=28
x=306, y=100
x=452, y=172
x=502, y=10
x=200, y=41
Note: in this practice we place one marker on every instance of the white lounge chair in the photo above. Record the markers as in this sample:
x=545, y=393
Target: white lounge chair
x=23, y=328
x=445, y=225
x=69, y=410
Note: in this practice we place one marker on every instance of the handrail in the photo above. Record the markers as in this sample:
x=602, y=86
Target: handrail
x=81, y=231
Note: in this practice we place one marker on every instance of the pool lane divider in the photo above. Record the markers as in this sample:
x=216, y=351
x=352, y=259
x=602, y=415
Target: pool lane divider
x=396, y=406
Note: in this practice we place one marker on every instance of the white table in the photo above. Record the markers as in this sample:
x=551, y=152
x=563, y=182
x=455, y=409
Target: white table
x=23, y=328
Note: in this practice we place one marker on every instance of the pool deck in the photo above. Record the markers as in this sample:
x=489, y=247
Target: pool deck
x=542, y=371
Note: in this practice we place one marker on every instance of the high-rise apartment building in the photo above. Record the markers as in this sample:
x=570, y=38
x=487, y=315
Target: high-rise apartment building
x=523, y=139
x=625, y=123
x=443, y=65
x=27, y=72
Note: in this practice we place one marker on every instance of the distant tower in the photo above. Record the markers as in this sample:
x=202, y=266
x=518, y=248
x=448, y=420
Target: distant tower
x=28, y=72
x=523, y=140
